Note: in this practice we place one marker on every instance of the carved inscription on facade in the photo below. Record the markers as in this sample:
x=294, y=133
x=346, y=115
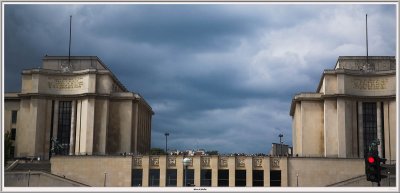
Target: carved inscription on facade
x=223, y=162
x=154, y=161
x=275, y=163
x=370, y=84
x=257, y=162
x=171, y=161
x=137, y=161
x=205, y=161
x=65, y=83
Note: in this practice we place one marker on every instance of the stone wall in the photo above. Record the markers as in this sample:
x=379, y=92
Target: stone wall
x=319, y=172
x=94, y=170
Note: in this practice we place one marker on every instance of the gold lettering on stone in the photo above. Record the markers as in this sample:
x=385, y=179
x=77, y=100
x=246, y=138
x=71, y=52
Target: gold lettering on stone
x=137, y=161
x=223, y=162
x=240, y=162
x=275, y=163
x=257, y=162
x=65, y=83
x=370, y=84
x=171, y=161
x=205, y=161
x=154, y=161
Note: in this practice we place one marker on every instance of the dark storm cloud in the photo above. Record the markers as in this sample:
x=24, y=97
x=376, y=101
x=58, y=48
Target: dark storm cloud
x=220, y=76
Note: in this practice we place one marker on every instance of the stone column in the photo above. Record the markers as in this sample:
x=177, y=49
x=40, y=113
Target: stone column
x=180, y=175
x=360, y=130
x=197, y=170
x=163, y=170
x=73, y=126
x=386, y=129
x=379, y=128
x=249, y=171
x=145, y=166
x=266, y=166
x=214, y=170
x=135, y=111
x=341, y=128
x=48, y=127
x=78, y=127
x=55, y=119
x=232, y=170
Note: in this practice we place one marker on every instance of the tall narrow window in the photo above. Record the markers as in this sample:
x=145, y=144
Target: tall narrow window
x=189, y=177
x=12, y=150
x=13, y=133
x=171, y=177
x=154, y=177
x=205, y=178
x=64, y=127
x=369, y=123
x=240, y=178
x=223, y=177
x=258, y=178
x=137, y=175
x=275, y=178
x=14, y=116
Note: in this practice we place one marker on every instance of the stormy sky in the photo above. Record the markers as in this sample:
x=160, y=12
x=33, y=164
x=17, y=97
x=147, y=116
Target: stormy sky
x=218, y=76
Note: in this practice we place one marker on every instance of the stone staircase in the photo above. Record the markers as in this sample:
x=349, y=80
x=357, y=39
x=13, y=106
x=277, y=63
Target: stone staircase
x=29, y=166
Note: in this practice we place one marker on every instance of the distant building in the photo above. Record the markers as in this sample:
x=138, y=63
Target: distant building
x=278, y=149
x=353, y=106
x=75, y=108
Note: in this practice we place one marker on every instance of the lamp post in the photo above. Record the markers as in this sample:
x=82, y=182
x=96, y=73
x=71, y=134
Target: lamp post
x=280, y=140
x=29, y=176
x=297, y=179
x=166, y=142
x=105, y=178
x=186, y=163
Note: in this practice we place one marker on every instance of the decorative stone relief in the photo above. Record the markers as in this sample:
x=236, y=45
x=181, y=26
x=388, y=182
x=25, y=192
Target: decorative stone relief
x=154, y=161
x=137, y=161
x=257, y=162
x=66, y=66
x=240, y=162
x=171, y=161
x=205, y=161
x=223, y=162
x=275, y=162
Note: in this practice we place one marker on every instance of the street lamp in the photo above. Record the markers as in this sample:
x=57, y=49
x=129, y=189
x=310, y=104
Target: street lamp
x=297, y=178
x=186, y=163
x=105, y=178
x=166, y=140
x=280, y=140
x=29, y=176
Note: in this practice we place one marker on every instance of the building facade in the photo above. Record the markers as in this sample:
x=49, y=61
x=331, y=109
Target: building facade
x=74, y=106
x=206, y=171
x=354, y=105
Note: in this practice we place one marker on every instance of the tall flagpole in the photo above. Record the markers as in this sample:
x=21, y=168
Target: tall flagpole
x=69, y=49
x=366, y=35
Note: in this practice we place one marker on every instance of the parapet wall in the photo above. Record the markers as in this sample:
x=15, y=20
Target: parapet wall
x=95, y=171
x=319, y=172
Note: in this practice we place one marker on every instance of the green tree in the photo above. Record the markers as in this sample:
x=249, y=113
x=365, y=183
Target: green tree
x=7, y=146
x=157, y=151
